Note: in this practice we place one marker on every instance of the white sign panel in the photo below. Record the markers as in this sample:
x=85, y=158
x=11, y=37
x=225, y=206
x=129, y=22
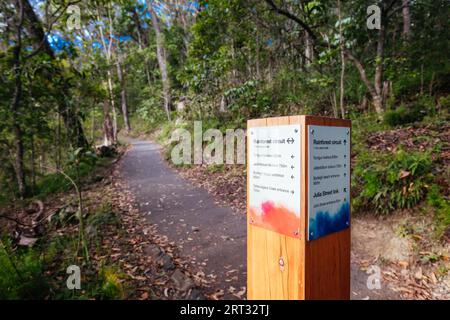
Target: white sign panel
x=274, y=178
x=328, y=180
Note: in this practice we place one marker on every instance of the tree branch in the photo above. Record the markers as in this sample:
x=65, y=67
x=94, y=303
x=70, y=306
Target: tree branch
x=38, y=31
x=361, y=70
x=289, y=15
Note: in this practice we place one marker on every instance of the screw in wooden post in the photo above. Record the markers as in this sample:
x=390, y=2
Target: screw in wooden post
x=281, y=263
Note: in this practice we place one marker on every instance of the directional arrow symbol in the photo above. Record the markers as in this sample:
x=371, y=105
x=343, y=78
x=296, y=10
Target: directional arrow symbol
x=290, y=140
x=292, y=157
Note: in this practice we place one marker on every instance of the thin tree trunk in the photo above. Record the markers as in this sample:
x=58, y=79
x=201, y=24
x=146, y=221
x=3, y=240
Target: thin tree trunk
x=33, y=164
x=430, y=90
x=342, y=83
x=113, y=106
x=364, y=103
x=421, y=79
x=309, y=53
x=58, y=142
x=258, y=70
x=378, y=101
x=15, y=104
x=142, y=40
x=162, y=62
x=108, y=131
x=406, y=20
x=123, y=94
x=333, y=101
x=18, y=135
x=93, y=123
x=233, y=58
x=110, y=137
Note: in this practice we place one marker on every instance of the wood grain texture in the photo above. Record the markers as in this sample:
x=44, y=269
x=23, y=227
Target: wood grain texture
x=318, y=269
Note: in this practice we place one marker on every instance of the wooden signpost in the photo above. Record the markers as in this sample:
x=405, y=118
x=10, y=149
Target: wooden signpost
x=298, y=208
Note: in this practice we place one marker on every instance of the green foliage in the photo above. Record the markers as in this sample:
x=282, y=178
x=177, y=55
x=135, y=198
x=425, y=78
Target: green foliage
x=404, y=115
x=57, y=182
x=436, y=200
x=391, y=181
x=21, y=273
x=110, y=285
x=103, y=216
x=216, y=168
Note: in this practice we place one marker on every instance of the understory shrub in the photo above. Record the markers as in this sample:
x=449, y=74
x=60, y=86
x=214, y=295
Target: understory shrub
x=391, y=181
x=21, y=273
x=404, y=115
x=441, y=207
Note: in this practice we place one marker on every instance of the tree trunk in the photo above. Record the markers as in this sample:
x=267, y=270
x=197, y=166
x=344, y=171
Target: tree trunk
x=342, y=84
x=406, y=20
x=142, y=40
x=379, y=104
x=258, y=69
x=70, y=117
x=35, y=29
x=309, y=50
x=376, y=99
x=113, y=106
x=123, y=94
x=18, y=136
x=73, y=124
x=93, y=122
x=58, y=141
x=162, y=62
x=108, y=131
x=334, y=104
x=15, y=104
x=341, y=45
x=33, y=164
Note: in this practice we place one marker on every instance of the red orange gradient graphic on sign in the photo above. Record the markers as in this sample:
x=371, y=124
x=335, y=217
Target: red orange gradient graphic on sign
x=275, y=217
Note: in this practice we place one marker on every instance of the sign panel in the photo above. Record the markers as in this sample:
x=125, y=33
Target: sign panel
x=274, y=178
x=328, y=180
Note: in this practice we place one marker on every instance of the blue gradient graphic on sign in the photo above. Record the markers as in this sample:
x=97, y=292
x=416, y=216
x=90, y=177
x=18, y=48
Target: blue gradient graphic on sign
x=328, y=180
x=325, y=223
